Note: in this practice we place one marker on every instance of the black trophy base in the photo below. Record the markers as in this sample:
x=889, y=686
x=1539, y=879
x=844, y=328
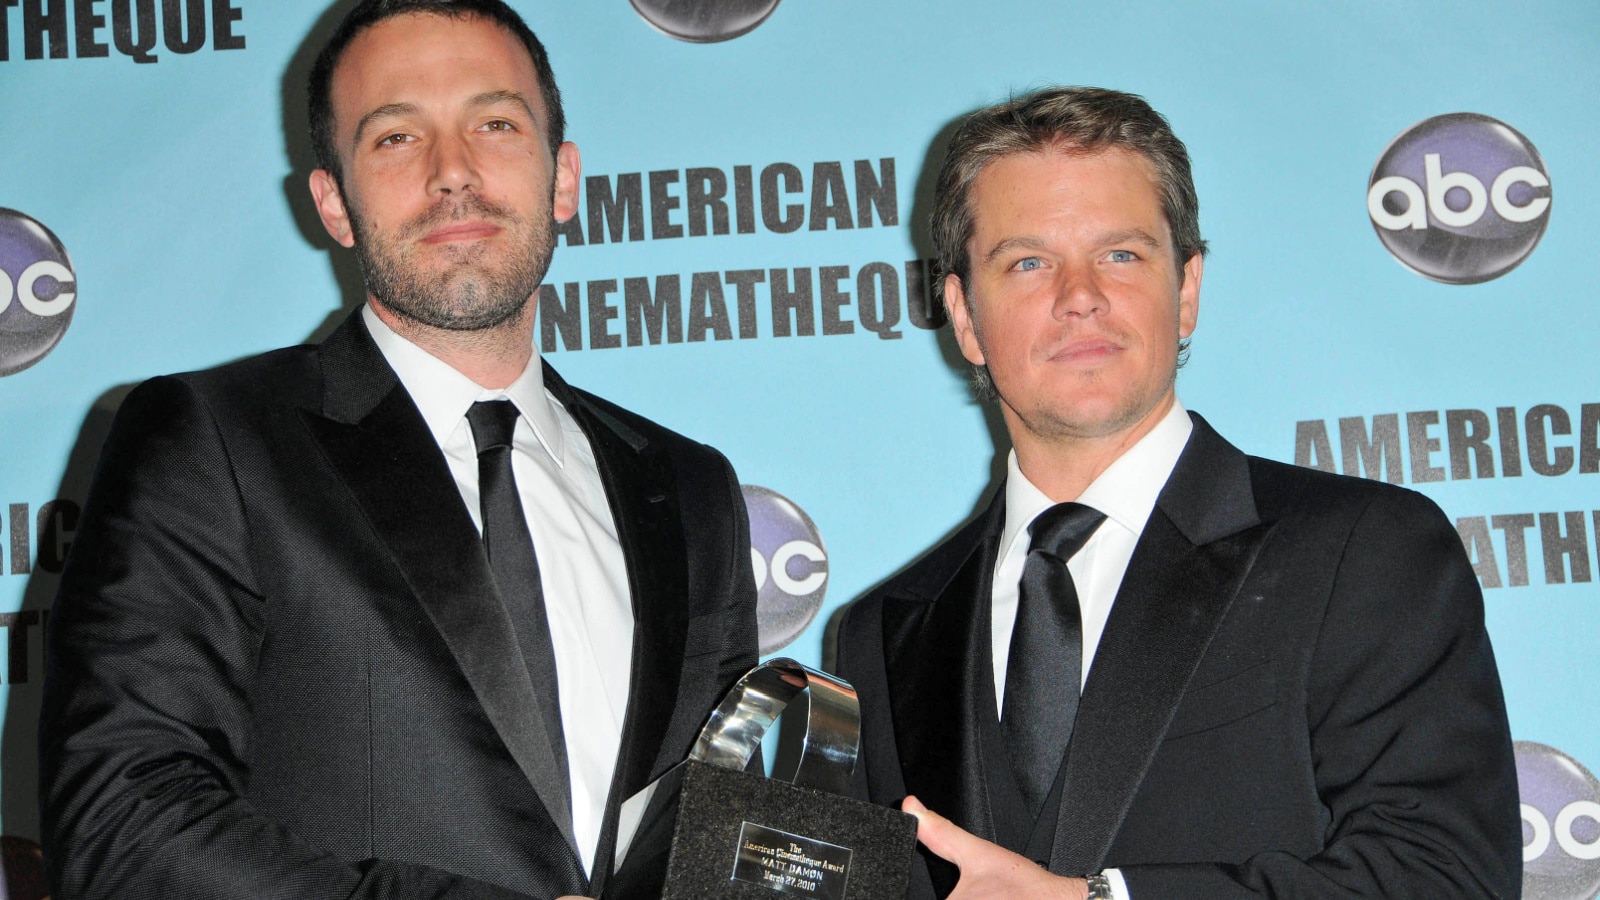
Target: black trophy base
x=745, y=836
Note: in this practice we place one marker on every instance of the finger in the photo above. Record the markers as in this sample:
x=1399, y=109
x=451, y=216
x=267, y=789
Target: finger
x=944, y=838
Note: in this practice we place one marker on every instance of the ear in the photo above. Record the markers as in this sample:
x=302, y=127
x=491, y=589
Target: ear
x=568, y=169
x=331, y=207
x=1189, y=295
x=957, y=304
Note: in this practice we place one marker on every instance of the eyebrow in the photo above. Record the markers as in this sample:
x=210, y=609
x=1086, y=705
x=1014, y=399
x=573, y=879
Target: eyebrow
x=1017, y=242
x=388, y=110
x=1135, y=235
x=1030, y=242
x=488, y=98
x=492, y=98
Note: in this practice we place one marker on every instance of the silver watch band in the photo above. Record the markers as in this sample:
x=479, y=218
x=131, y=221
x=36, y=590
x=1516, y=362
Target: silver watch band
x=1099, y=887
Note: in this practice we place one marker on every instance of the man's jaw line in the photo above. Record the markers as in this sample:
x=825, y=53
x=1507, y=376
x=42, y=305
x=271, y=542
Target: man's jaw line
x=493, y=356
x=1062, y=463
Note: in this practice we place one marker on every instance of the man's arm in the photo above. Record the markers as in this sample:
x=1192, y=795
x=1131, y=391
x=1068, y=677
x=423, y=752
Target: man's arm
x=147, y=726
x=741, y=648
x=1409, y=739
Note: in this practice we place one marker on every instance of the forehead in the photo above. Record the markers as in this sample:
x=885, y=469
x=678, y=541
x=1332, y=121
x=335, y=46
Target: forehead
x=1065, y=183
x=414, y=57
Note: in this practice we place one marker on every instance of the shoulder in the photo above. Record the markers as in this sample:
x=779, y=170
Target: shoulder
x=637, y=429
x=223, y=401
x=1285, y=492
x=632, y=428
x=704, y=481
x=703, y=475
x=1387, y=556
x=1215, y=486
x=250, y=385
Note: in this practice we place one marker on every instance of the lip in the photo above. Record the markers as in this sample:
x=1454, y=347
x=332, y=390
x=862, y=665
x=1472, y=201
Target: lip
x=1085, y=350
x=461, y=231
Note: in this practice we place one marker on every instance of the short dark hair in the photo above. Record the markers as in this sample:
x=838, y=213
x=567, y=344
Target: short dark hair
x=367, y=13
x=1079, y=120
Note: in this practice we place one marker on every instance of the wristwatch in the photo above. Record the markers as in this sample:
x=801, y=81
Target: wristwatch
x=1099, y=887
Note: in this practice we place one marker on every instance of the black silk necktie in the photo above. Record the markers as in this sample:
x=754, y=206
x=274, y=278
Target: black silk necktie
x=1045, y=669
x=509, y=546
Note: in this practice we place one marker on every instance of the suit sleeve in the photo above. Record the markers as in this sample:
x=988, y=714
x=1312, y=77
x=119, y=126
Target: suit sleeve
x=859, y=627
x=1408, y=734
x=146, y=734
x=743, y=635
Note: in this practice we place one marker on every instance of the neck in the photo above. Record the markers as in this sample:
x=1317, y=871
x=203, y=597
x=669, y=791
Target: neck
x=1063, y=466
x=491, y=357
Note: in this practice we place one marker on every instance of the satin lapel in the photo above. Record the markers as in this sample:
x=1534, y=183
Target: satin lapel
x=936, y=637
x=390, y=463
x=1196, y=549
x=640, y=486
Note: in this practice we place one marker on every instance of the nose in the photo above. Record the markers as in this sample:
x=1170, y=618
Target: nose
x=454, y=168
x=1078, y=294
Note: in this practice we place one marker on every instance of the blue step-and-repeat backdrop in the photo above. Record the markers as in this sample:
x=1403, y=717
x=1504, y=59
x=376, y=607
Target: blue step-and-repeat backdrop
x=1403, y=200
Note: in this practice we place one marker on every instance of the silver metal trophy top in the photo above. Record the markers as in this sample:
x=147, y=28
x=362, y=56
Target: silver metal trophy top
x=747, y=711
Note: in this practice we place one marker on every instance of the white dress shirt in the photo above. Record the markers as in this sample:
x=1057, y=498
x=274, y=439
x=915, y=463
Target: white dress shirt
x=581, y=566
x=1126, y=492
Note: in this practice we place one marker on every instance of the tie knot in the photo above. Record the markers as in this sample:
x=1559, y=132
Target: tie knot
x=1063, y=529
x=492, y=422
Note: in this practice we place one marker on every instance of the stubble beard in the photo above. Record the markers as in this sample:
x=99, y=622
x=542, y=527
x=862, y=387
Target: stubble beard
x=1061, y=424
x=471, y=291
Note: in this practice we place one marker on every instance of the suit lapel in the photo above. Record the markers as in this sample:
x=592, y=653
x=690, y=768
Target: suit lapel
x=1194, y=553
x=379, y=445
x=640, y=487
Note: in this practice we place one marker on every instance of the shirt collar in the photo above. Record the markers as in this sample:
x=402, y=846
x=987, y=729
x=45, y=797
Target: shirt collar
x=443, y=395
x=1126, y=491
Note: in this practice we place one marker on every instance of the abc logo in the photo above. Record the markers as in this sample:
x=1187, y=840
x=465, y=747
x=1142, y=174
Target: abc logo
x=791, y=566
x=1460, y=198
x=705, y=21
x=1560, y=825
x=37, y=291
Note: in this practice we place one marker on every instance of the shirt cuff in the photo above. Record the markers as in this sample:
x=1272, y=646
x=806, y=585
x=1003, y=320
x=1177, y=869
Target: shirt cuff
x=1119, y=887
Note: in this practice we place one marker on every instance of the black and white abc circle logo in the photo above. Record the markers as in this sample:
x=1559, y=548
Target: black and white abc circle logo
x=1460, y=198
x=791, y=566
x=705, y=21
x=1560, y=825
x=38, y=291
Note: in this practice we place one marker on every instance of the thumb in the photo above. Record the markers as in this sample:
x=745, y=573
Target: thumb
x=942, y=837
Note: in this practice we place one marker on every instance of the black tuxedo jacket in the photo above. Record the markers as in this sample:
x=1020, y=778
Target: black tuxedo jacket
x=279, y=667
x=1294, y=696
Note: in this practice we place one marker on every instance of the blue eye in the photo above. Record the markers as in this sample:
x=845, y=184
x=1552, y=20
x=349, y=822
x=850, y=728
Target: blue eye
x=1123, y=256
x=1029, y=264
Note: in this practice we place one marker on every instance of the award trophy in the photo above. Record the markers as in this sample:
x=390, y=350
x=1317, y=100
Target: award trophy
x=741, y=835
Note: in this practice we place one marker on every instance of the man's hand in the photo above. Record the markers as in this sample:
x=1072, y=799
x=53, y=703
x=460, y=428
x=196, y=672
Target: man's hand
x=988, y=870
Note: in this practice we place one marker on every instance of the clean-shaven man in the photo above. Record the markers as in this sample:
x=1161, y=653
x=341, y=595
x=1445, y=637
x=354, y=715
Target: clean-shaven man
x=1156, y=667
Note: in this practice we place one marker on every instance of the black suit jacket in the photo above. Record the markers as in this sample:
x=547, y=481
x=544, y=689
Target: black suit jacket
x=279, y=667
x=1294, y=696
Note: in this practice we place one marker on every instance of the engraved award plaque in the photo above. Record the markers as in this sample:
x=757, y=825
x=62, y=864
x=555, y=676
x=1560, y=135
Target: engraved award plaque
x=741, y=835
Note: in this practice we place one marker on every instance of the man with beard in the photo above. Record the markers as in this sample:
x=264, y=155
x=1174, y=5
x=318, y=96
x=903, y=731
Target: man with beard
x=400, y=615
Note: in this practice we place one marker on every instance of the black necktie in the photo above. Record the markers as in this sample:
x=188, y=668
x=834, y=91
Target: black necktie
x=516, y=569
x=1045, y=668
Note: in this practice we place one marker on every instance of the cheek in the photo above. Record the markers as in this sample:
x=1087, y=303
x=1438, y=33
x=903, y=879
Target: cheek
x=1009, y=347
